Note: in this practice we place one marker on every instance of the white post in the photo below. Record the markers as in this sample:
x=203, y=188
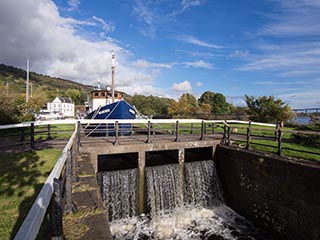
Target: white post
x=27, y=89
x=112, y=69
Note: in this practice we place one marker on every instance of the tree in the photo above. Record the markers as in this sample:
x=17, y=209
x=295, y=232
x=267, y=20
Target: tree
x=268, y=109
x=186, y=106
x=74, y=94
x=207, y=97
x=219, y=105
x=8, y=110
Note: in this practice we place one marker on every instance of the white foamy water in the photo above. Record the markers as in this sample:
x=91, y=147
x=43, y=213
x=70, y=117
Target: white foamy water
x=184, y=203
x=187, y=223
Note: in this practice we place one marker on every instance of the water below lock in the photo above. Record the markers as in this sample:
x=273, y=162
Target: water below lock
x=181, y=201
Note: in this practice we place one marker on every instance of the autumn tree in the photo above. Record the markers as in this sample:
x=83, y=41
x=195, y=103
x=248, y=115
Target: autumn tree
x=187, y=105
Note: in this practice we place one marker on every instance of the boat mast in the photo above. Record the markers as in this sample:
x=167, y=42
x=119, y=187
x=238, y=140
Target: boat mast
x=112, y=69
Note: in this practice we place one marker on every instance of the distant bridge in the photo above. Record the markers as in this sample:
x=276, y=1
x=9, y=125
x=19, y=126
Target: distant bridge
x=307, y=110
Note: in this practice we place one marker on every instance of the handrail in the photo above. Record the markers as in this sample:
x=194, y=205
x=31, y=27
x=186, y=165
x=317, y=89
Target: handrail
x=32, y=223
x=86, y=121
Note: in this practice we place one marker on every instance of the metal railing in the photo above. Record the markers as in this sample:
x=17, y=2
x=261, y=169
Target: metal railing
x=51, y=197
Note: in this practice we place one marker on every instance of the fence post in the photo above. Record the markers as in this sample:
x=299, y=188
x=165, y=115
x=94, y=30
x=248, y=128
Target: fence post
x=212, y=128
x=149, y=133
x=153, y=131
x=78, y=136
x=22, y=134
x=177, y=139
x=191, y=131
x=68, y=206
x=248, y=136
x=74, y=162
x=228, y=136
x=49, y=131
x=32, y=136
x=56, y=211
x=202, y=130
x=116, y=134
x=279, y=137
x=224, y=137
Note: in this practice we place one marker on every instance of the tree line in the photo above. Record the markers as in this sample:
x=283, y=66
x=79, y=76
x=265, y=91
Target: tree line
x=210, y=105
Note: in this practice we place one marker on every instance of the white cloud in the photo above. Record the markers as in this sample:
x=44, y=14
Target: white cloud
x=182, y=87
x=146, y=16
x=294, y=18
x=302, y=99
x=141, y=63
x=199, y=84
x=73, y=5
x=185, y=5
x=195, y=41
x=240, y=53
x=198, y=64
x=56, y=48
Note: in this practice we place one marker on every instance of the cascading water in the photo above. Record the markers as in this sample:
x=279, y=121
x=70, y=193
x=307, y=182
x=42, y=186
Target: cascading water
x=202, y=184
x=164, y=188
x=119, y=193
x=185, y=202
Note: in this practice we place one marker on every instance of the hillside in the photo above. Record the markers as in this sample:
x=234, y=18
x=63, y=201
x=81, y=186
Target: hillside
x=14, y=81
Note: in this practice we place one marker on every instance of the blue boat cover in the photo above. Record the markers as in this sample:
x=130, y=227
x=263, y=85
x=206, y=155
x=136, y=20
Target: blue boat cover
x=117, y=110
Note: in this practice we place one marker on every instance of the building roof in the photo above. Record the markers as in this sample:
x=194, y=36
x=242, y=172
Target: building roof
x=65, y=99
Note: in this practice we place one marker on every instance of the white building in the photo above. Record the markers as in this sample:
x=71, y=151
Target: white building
x=62, y=106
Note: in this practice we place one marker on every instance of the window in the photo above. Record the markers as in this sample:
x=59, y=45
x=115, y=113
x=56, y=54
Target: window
x=103, y=94
x=96, y=94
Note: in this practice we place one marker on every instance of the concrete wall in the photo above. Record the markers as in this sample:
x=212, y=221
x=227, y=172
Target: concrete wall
x=279, y=195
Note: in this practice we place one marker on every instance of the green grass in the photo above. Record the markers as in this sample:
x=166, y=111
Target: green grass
x=21, y=178
x=62, y=131
x=289, y=149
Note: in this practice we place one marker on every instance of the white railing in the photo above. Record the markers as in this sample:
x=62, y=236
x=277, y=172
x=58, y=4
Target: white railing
x=132, y=121
x=32, y=223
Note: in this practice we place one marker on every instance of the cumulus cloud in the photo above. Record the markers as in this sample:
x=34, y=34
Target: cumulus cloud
x=182, y=87
x=199, y=84
x=56, y=48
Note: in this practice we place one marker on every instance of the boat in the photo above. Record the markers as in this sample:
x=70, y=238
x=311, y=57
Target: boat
x=107, y=103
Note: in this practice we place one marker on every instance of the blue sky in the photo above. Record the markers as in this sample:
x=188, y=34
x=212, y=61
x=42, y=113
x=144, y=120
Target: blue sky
x=167, y=48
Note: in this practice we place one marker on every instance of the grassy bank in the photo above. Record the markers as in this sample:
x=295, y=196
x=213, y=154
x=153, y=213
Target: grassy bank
x=21, y=178
x=290, y=148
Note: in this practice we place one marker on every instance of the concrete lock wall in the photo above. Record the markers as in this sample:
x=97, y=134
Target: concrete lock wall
x=278, y=195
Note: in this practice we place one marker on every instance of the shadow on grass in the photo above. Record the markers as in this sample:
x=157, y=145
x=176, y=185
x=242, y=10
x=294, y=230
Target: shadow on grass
x=20, y=175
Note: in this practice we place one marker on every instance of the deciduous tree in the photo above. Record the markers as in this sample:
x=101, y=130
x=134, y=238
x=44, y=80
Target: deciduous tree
x=268, y=109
